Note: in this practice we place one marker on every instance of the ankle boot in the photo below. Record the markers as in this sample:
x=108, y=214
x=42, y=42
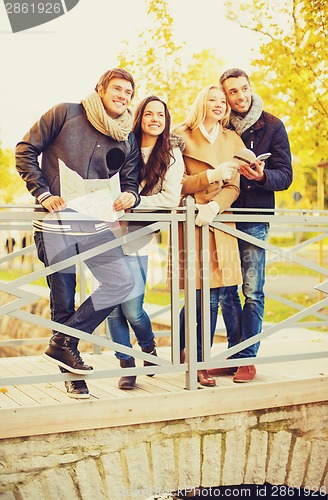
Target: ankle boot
x=129, y=381
x=205, y=379
x=62, y=350
x=151, y=349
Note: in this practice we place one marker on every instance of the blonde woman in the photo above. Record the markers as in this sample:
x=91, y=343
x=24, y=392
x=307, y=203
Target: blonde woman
x=211, y=177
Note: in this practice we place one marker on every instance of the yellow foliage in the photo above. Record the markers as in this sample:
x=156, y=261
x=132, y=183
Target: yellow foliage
x=291, y=75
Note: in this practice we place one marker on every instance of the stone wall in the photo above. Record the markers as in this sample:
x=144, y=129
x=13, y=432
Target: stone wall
x=285, y=446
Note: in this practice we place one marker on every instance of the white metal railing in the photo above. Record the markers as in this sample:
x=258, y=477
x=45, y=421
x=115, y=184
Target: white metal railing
x=312, y=223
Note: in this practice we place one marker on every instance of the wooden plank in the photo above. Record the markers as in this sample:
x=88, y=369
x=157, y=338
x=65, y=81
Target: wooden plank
x=162, y=397
x=54, y=393
x=40, y=393
x=149, y=387
x=159, y=407
x=295, y=370
x=15, y=367
x=178, y=380
x=36, y=365
x=49, y=393
x=162, y=382
x=58, y=392
x=98, y=392
x=6, y=401
x=22, y=395
x=22, y=398
x=103, y=388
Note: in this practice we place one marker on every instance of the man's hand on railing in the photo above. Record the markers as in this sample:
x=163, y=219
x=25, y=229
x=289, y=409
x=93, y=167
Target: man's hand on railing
x=124, y=201
x=54, y=203
x=206, y=213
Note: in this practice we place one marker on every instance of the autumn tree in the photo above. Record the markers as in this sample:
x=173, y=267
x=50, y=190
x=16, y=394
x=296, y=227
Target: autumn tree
x=11, y=185
x=154, y=58
x=203, y=68
x=161, y=67
x=291, y=74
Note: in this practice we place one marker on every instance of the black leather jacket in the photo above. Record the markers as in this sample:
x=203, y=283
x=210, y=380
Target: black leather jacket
x=65, y=133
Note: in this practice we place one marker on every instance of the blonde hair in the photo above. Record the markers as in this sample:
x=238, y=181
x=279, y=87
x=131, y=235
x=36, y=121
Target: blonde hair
x=197, y=112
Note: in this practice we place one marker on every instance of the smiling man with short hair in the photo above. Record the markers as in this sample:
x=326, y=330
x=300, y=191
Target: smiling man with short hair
x=94, y=139
x=261, y=132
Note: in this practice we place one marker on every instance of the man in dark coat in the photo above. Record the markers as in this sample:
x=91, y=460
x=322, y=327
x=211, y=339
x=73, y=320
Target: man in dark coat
x=261, y=132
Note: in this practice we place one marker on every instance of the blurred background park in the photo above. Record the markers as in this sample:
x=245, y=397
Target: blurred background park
x=173, y=48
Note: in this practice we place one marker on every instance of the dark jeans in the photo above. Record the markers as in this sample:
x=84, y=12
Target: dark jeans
x=109, y=268
x=243, y=323
x=214, y=305
x=131, y=311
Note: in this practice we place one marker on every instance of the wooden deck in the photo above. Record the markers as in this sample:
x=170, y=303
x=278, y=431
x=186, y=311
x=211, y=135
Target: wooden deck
x=44, y=408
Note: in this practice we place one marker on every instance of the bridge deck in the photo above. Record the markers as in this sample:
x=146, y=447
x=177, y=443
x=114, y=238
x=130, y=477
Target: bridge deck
x=44, y=408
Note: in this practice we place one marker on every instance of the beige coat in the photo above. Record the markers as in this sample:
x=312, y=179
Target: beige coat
x=199, y=156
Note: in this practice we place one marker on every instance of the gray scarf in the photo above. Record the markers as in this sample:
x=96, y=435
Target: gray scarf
x=242, y=123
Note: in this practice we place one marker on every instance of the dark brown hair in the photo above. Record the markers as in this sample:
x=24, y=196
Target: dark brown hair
x=159, y=160
x=115, y=73
x=233, y=73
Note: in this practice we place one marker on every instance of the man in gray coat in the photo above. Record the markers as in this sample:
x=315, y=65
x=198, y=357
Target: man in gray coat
x=94, y=139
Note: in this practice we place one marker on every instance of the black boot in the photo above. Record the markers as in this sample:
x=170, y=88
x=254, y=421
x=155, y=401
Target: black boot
x=63, y=351
x=151, y=349
x=76, y=389
x=129, y=381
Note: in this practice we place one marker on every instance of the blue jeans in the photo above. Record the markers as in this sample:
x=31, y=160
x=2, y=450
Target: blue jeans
x=243, y=323
x=132, y=311
x=109, y=268
x=214, y=306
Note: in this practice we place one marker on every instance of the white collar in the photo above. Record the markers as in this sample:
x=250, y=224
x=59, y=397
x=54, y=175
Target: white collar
x=213, y=135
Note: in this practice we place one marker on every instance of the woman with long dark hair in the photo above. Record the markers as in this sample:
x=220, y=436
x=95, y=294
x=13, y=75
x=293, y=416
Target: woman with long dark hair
x=161, y=173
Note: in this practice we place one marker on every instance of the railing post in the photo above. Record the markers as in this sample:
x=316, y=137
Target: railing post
x=190, y=293
x=321, y=206
x=174, y=291
x=205, y=259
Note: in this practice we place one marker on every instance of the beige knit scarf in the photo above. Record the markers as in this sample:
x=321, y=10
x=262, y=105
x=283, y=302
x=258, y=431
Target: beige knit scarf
x=117, y=128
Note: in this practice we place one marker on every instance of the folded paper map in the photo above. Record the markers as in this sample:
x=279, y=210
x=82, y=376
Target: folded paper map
x=92, y=197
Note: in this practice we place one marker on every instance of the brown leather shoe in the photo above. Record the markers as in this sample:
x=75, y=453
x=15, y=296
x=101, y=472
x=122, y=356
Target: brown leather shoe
x=219, y=372
x=244, y=374
x=128, y=382
x=205, y=379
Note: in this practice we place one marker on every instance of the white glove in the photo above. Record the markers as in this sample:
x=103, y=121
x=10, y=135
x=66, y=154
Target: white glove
x=206, y=212
x=224, y=171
